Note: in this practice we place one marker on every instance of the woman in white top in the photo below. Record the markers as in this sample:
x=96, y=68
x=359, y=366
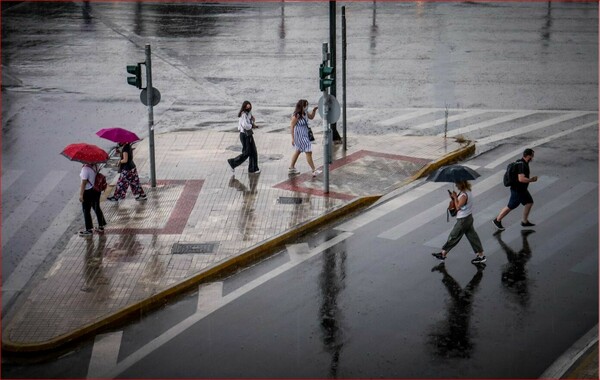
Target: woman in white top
x=90, y=199
x=463, y=202
x=245, y=126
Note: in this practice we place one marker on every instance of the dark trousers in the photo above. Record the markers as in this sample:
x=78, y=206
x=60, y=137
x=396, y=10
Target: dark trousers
x=248, y=151
x=91, y=200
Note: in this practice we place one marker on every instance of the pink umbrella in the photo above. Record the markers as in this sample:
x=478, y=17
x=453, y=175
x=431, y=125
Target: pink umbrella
x=118, y=135
x=85, y=153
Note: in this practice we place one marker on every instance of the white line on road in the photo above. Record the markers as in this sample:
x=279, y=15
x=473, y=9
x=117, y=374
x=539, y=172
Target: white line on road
x=104, y=354
x=209, y=295
x=19, y=277
x=518, y=152
x=394, y=204
x=182, y=326
x=407, y=116
x=19, y=216
x=440, y=122
x=9, y=177
x=488, y=123
x=435, y=211
x=531, y=127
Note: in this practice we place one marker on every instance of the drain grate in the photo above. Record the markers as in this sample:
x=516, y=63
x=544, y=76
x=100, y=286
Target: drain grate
x=179, y=249
x=290, y=200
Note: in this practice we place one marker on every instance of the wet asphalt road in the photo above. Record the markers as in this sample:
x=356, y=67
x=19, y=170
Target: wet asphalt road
x=64, y=74
x=64, y=78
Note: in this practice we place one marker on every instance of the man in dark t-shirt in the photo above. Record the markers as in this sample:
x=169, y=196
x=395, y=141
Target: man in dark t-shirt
x=519, y=193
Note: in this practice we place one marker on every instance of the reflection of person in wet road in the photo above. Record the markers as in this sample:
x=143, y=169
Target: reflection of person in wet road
x=332, y=282
x=245, y=126
x=514, y=274
x=246, y=219
x=463, y=202
x=95, y=281
x=453, y=339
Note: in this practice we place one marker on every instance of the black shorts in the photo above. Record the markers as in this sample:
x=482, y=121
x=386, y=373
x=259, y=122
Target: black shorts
x=518, y=197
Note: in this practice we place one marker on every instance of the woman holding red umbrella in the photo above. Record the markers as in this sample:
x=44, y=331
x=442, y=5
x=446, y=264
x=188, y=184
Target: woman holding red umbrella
x=129, y=176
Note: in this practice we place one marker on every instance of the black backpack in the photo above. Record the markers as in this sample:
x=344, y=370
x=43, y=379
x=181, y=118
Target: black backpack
x=510, y=175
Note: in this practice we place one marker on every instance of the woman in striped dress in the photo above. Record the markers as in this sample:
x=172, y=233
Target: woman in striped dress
x=300, y=137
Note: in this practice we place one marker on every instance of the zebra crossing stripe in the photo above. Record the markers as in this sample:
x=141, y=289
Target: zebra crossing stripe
x=488, y=123
x=209, y=295
x=531, y=127
x=440, y=122
x=384, y=209
x=518, y=152
x=436, y=211
x=547, y=211
x=182, y=326
x=486, y=215
x=19, y=216
x=105, y=353
x=407, y=116
x=9, y=177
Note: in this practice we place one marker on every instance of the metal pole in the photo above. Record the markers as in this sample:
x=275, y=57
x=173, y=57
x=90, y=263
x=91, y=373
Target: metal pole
x=344, y=76
x=333, y=59
x=326, y=132
x=149, y=92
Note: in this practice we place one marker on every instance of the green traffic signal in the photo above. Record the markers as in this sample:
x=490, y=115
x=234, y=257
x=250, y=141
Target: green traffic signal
x=137, y=71
x=324, y=72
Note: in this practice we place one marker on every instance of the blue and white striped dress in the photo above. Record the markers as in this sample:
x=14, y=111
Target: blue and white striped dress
x=301, y=139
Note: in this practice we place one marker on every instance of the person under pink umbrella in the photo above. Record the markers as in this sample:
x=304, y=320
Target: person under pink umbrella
x=128, y=176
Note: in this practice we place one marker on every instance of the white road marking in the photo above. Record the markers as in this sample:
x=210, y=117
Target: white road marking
x=440, y=122
x=531, y=127
x=519, y=151
x=407, y=116
x=190, y=321
x=435, y=211
x=488, y=123
x=104, y=354
x=394, y=204
x=19, y=216
x=209, y=295
x=17, y=280
x=9, y=177
x=486, y=215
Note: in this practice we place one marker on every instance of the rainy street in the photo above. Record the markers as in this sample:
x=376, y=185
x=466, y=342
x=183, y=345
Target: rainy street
x=367, y=299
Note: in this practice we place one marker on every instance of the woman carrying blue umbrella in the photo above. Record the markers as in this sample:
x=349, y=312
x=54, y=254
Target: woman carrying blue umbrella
x=463, y=203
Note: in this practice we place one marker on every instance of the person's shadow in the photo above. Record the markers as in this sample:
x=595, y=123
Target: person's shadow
x=452, y=338
x=247, y=216
x=514, y=274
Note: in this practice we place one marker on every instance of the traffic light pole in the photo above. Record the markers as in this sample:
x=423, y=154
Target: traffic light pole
x=149, y=90
x=326, y=130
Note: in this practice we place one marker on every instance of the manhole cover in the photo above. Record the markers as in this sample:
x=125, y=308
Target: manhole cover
x=290, y=200
x=179, y=249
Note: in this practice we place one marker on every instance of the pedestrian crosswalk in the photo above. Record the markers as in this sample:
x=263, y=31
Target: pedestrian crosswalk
x=486, y=126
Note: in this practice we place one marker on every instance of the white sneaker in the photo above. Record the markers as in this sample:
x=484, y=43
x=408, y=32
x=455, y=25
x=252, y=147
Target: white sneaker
x=317, y=172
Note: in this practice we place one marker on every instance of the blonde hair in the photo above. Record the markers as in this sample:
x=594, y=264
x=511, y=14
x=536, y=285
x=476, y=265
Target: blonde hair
x=463, y=185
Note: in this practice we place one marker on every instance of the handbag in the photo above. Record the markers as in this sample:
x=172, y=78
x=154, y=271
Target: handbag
x=311, y=137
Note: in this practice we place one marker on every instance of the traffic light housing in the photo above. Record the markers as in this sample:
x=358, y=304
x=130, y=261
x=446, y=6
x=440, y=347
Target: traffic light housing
x=324, y=72
x=137, y=71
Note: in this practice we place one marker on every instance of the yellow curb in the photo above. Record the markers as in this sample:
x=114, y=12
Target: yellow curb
x=457, y=155
x=218, y=270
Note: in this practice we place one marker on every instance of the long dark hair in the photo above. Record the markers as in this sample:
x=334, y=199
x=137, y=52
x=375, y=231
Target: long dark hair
x=244, y=107
x=300, y=107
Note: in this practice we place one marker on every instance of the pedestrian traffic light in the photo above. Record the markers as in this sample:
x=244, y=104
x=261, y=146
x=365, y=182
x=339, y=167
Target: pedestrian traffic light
x=137, y=71
x=324, y=72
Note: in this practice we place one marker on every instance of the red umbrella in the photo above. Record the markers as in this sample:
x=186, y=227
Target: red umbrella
x=118, y=135
x=85, y=153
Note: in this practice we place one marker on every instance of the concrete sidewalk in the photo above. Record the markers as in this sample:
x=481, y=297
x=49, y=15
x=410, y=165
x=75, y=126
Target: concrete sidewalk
x=200, y=221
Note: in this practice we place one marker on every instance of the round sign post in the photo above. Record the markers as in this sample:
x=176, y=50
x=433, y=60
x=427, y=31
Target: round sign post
x=155, y=96
x=334, y=109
